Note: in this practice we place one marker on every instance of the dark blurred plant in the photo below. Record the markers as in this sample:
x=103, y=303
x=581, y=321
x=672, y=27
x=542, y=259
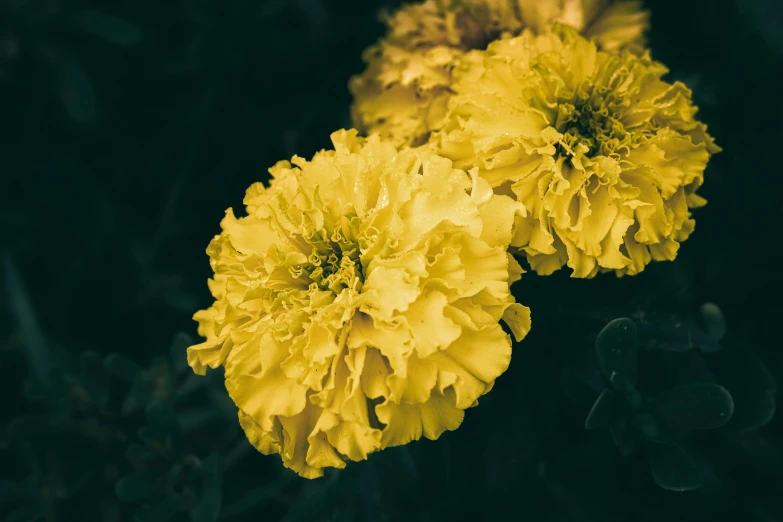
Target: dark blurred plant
x=46, y=33
x=129, y=127
x=685, y=398
x=108, y=425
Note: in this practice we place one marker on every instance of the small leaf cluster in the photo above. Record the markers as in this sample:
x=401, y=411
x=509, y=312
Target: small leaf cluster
x=109, y=435
x=656, y=421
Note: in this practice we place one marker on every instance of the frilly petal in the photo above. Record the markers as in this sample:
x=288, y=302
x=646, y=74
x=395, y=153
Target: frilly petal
x=604, y=156
x=357, y=305
x=403, y=93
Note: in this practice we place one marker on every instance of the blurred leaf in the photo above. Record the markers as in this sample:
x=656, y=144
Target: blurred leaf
x=604, y=410
x=622, y=437
x=671, y=334
x=152, y=384
x=122, y=367
x=94, y=376
x=158, y=437
x=10, y=490
x=26, y=513
x=137, y=486
x=220, y=399
x=751, y=385
x=30, y=427
x=694, y=406
x=208, y=507
x=649, y=427
x=766, y=16
x=256, y=497
x=111, y=28
x=312, y=499
x=160, y=415
x=713, y=320
x=22, y=309
x=759, y=451
x=754, y=414
x=616, y=347
x=161, y=512
x=197, y=418
x=139, y=455
x=73, y=85
x=673, y=468
x=191, y=383
x=36, y=392
x=179, y=352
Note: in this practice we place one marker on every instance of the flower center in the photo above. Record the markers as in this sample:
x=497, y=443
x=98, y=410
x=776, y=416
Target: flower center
x=337, y=270
x=590, y=118
x=334, y=262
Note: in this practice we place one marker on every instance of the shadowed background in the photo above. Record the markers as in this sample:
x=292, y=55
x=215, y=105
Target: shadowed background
x=126, y=130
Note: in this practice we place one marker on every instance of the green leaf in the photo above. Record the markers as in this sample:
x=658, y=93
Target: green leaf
x=604, y=410
x=158, y=437
x=649, y=427
x=751, y=385
x=694, y=406
x=10, y=490
x=75, y=88
x=94, y=377
x=161, y=512
x=122, y=367
x=617, y=346
x=139, y=455
x=673, y=468
x=190, y=384
x=675, y=334
x=30, y=333
x=29, y=428
x=162, y=416
x=713, y=320
x=26, y=513
x=755, y=414
x=111, y=28
x=137, y=486
x=218, y=397
x=208, y=508
x=622, y=437
x=35, y=391
x=253, y=500
x=179, y=352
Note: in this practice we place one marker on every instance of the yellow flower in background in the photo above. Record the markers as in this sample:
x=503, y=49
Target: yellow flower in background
x=404, y=92
x=357, y=305
x=605, y=156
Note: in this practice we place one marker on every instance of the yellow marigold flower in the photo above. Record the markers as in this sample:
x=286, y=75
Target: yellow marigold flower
x=357, y=305
x=605, y=156
x=403, y=93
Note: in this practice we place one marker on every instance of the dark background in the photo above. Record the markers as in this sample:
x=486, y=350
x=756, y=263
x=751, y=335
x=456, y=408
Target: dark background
x=124, y=136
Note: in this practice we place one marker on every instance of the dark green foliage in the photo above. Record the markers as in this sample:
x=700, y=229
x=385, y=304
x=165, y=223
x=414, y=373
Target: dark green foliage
x=673, y=468
x=129, y=127
x=92, y=434
x=604, y=410
x=694, y=407
x=616, y=347
x=657, y=420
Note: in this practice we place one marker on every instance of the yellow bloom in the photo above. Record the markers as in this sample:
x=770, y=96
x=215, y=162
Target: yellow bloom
x=357, y=306
x=605, y=156
x=404, y=92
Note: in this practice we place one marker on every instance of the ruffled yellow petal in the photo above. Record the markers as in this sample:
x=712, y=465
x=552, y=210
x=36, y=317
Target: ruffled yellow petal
x=604, y=156
x=408, y=422
x=357, y=305
x=404, y=92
